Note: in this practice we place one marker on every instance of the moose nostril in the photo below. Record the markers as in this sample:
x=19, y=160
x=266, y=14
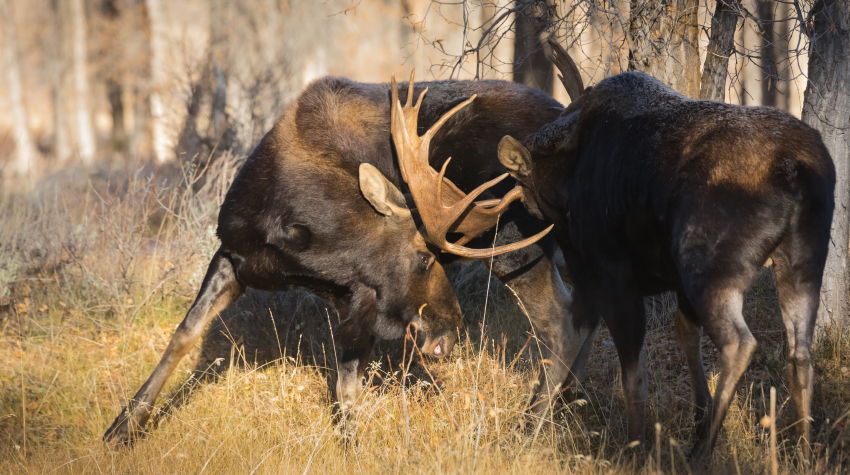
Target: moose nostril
x=442, y=349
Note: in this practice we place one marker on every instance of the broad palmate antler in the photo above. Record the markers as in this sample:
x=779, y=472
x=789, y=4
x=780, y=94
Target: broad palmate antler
x=442, y=206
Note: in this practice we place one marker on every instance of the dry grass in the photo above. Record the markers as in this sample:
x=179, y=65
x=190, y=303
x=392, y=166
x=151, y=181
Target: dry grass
x=95, y=274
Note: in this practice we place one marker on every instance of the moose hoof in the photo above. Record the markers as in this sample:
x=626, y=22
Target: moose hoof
x=120, y=433
x=527, y=424
x=348, y=435
x=346, y=426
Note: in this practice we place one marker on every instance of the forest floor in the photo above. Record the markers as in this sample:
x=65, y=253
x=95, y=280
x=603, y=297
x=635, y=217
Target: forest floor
x=96, y=272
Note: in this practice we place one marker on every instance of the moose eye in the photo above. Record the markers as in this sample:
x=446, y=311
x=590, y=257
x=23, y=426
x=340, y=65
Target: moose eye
x=424, y=260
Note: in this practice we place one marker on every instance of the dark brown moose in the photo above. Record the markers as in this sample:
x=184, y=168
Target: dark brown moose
x=650, y=192
x=319, y=205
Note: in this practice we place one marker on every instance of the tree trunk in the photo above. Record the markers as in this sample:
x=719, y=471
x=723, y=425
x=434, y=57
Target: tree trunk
x=161, y=143
x=219, y=103
x=783, y=46
x=59, y=70
x=770, y=73
x=61, y=142
x=139, y=107
x=189, y=141
x=531, y=66
x=85, y=133
x=724, y=21
x=24, y=150
x=665, y=42
x=115, y=94
x=826, y=107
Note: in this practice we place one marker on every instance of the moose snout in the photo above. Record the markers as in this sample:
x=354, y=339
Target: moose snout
x=439, y=347
x=444, y=346
x=435, y=344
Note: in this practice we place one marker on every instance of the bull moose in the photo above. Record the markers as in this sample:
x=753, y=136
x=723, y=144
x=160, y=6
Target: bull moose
x=319, y=205
x=650, y=191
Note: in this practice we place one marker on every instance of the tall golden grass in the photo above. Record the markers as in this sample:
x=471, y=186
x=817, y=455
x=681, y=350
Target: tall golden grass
x=96, y=271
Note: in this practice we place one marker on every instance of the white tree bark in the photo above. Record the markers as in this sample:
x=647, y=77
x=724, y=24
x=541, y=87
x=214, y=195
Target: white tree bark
x=162, y=147
x=85, y=133
x=59, y=69
x=24, y=150
x=62, y=142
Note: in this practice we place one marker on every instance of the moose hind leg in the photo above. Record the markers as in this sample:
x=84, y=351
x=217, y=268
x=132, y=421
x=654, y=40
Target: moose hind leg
x=218, y=290
x=720, y=311
x=799, y=304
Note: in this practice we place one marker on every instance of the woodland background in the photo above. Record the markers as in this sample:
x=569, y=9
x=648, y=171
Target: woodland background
x=122, y=123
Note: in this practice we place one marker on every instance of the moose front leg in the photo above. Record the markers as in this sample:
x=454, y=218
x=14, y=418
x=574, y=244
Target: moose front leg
x=625, y=317
x=532, y=276
x=218, y=290
x=357, y=314
x=349, y=385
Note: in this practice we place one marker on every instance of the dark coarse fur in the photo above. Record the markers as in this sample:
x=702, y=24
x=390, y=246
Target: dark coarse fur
x=305, y=171
x=650, y=192
x=296, y=216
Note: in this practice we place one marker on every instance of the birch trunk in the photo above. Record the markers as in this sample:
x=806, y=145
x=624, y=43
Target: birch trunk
x=724, y=21
x=85, y=133
x=61, y=139
x=827, y=109
x=162, y=149
x=24, y=150
x=665, y=43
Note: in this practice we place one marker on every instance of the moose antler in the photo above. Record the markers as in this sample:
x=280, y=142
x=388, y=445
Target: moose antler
x=441, y=204
x=570, y=76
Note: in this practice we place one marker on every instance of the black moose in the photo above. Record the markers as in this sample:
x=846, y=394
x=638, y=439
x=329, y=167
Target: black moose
x=650, y=191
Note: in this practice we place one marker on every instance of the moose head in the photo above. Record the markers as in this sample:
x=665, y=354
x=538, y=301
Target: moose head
x=442, y=206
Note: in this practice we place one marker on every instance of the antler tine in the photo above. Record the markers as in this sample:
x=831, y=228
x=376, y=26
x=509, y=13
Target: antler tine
x=570, y=76
x=437, y=125
x=409, y=112
x=441, y=204
x=412, y=119
x=497, y=206
x=440, y=177
x=394, y=93
x=402, y=139
x=419, y=102
x=462, y=205
x=482, y=253
x=410, y=88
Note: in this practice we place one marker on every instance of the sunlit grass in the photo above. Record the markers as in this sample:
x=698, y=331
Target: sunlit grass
x=102, y=279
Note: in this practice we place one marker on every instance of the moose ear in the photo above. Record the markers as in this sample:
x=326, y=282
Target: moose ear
x=515, y=157
x=381, y=194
